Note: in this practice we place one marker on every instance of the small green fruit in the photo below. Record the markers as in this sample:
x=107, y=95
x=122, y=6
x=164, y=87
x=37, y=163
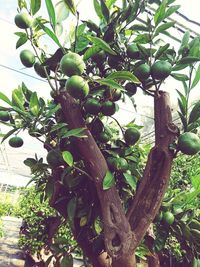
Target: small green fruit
x=4, y=116
x=142, y=71
x=23, y=20
x=189, y=143
x=161, y=69
x=27, y=58
x=16, y=141
x=108, y=108
x=72, y=64
x=168, y=217
x=77, y=87
x=131, y=136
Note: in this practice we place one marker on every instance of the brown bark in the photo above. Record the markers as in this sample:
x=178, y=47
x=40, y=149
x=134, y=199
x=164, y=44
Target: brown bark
x=128, y=261
x=156, y=175
x=116, y=225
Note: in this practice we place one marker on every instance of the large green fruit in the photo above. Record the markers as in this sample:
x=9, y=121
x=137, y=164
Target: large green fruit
x=23, y=20
x=133, y=51
x=54, y=158
x=40, y=70
x=108, y=108
x=16, y=141
x=92, y=106
x=77, y=87
x=131, y=89
x=72, y=64
x=131, y=136
x=161, y=69
x=142, y=71
x=168, y=217
x=27, y=58
x=189, y=143
x=4, y=116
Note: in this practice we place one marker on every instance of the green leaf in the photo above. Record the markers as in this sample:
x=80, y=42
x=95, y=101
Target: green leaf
x=180, y=77
x=139, y=27
x=101, y=44
x=49, y=33
x=91, y=51
x=188, y=60
x=71, y=6
x=62, y=11
x=130, y=179
x=123, y=75
x=171, y=10
x=164, y=27
x=195, y=113
x=110, y=83
x=67, y=261
x=161, y=50
x=110, y=3
x=51, y=12
x=142, y=38
x=196, y=78
x=22, y=4
x=35, y=6
x=183, y=120
x=34, y=104
x=185, y=39
x=97, y=8
x=105, y=11
x=5, y=99
x=194, y=47
x=108, y=181
x=160, y=12
x=68, y=158
x=71, y=209
x=178, y=67
x=78, y=132
x=196, y=181
x=18, y=98
x=8, y=134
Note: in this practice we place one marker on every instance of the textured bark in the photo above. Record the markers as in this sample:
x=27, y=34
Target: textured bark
x=153, y=258
x=116, y=225
x=128, y=261
x=154, y=182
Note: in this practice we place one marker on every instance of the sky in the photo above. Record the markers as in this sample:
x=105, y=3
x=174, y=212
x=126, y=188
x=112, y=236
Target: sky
x=9, y=79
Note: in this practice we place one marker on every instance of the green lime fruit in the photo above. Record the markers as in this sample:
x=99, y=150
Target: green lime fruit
x=133, y=51
x=131, y=136
x=4, y=116
x=40, y=70
x=72, y=64
x=113, y=94
x=23, y=20
x=189, y=143
x=77, y=87
x=131, y=89
x=168, y=217
x=142, y=71
x=16, y=141
x=161, y=69
x=27, y=58
x=54, y=158
x=108, y=108
x=103, y=137
x=92, y=106
x=117, y=164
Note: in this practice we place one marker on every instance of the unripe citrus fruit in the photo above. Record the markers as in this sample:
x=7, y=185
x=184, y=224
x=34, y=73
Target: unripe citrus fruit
x=4, y=116
x=142, y=71
x=92, y=106
x=40, y=70
x=161, y=69
x=16, y=141
x=131, y=136
x=117, y=164
x=168, y=217
x=27, y=58
x=54, y=158
x=108, y=108
x=133, y=51
x=72, y=64
x=189, y=143
x=103, y=137
x=131, y=89
x=77, y=87
x=23, y=20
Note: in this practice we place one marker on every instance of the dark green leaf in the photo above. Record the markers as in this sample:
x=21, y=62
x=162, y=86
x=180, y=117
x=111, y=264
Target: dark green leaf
x=92, y=26
x=130, y=180
x=18, y=98
x=164, y=27
x=71, y=6
x=53, y=111
x=160, y=13
x=110, y=83
x=144, y=51
x=110, y=3
x=22, y=40
x=102, y=44
x=34, y=104
x=5, y=99
x=194, y=47
x=68, y=158
x=78, y=132
x=171, y=10
x=178, y=67
x=35, y=6
x=185, y=39
x=195, y=113
x=58, y=126
x=183, y=120
x=105, y=11
x=180, y=77
x=123, y=75
x=134, y=9
x=182, y=107
x=91, y=51
x=8, y=134
x=67, y=261
x=71, y=209
x=188, y=60
x=49, y=33
x=161, y=50
x=142, y=38
x=126, y=13
x=196, y=78
x=108, y=181
x=51, y=12
x=139, y=27
x=97, y=8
